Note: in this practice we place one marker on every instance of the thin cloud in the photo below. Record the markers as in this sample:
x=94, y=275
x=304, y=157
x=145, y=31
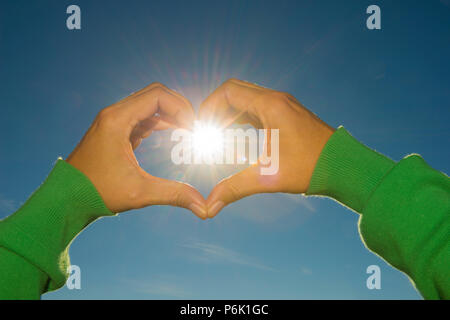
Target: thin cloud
x=445, y=3
x=270, y=208
x=7, y=205
x=212, y=253
x=300, y=200
x=159, y=288
x=306, y=271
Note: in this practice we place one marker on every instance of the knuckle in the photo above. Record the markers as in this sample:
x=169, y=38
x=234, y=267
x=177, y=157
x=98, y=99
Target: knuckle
x=227, y=87
x=274, y=101
x=158, y=90
x=231, y=190
x=154, y=85
x=178, y=199
x=234, y=80
x=107, y=116
x=105, y=112
x=230, y=82
x=289, y=96
x=276, y=96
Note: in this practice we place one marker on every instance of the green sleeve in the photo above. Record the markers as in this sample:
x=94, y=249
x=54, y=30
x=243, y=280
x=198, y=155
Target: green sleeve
x=404, y=207
x=34, y=241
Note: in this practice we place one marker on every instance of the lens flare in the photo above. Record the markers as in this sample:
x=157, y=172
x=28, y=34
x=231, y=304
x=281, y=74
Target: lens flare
x=207, y=140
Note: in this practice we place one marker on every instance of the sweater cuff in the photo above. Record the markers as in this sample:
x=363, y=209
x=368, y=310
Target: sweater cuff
x=348, y=171
x=42, y=229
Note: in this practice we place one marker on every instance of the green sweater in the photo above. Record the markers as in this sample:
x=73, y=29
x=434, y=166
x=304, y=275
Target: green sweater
x=404, y=207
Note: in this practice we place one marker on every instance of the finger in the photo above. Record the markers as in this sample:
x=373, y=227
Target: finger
x=139, y=92
x=157, y=98
x=238, y=186
x=233, y=98
x=240, y=118
x=163, y=122
x=168, y=192
x=156, y=123
x=145, y=128
x=135, y=142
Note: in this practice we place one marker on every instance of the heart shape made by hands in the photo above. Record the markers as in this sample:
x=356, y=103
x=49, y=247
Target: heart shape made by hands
x=106, y=152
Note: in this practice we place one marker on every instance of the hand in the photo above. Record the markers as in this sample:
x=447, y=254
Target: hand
x=105, y=154
x=302, y=136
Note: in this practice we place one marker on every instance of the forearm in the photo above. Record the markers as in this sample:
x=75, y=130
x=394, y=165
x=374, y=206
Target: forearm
x=36, y=238
x=19, y=279
x=404, y=208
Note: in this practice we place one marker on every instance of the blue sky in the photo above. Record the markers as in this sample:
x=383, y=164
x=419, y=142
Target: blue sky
x=390, y=88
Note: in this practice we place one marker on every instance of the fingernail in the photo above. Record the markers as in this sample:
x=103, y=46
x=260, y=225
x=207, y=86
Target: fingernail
x=215, y=208
x=199, y=210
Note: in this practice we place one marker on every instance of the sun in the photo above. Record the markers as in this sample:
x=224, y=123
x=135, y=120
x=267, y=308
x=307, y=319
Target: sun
x=207, y=140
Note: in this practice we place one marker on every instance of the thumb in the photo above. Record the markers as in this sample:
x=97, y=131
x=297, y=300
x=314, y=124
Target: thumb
x=168, y=192
x=243, y=184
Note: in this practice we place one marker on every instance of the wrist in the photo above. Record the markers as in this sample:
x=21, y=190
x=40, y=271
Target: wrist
x=321, y=141
x=348, y=171
x=42, y=229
